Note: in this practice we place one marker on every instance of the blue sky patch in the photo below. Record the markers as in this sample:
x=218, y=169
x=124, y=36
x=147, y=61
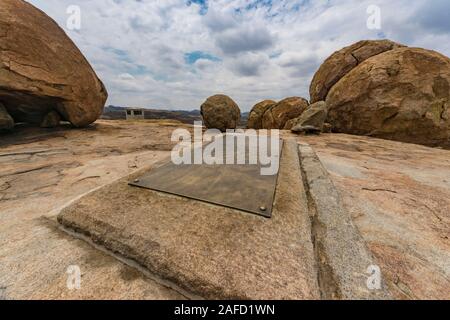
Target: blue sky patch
x=176, y=53
x=192, y=57
x=121, y=54
x=202, y=3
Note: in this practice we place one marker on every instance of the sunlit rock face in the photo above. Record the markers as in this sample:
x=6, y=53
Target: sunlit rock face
x=401, y=94
x=42, y=71
x=342, y=62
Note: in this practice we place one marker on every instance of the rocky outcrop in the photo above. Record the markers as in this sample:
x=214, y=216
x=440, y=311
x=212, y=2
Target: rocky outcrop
x=342, y=62
x=42, y=71
x=220, y=112
x=6, y=121
x=257, y=113
x=278, y=115
x=312, y=120
x=402, y=94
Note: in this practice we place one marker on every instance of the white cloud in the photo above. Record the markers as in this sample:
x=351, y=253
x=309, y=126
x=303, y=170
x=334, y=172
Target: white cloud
x=138, y=48
x=126, y=76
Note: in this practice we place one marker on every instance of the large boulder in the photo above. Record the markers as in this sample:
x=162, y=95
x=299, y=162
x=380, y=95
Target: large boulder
x=278, y=115
x=312, y=120
x=402, y=94
x=220, y=112
x=342, y=62
x=257, y=113
x=42, y=71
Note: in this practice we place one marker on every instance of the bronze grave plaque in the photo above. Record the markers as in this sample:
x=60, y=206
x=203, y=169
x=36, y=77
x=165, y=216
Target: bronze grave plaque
x=238, y=186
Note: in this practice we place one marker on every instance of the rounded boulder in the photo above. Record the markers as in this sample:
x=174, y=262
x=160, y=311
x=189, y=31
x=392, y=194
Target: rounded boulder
x=256, y=115
x=42, y=71
x=279, y=114
x=220, y=112
x=342, y=62
x=402, y=94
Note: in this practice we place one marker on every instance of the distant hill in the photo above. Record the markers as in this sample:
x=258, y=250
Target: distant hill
x=118, y=113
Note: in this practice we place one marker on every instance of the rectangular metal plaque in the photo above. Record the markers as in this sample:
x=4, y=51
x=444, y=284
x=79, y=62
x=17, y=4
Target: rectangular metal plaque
x=237, y=186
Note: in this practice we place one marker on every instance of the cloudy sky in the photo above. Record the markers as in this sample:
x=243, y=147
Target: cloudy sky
x=172, y=54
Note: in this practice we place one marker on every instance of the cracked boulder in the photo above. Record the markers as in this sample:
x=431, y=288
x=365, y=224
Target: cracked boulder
x=279, y=114
x=342, y=62
x=42, y=72
x=220, y=112
x=401, y=94
x=257, y=113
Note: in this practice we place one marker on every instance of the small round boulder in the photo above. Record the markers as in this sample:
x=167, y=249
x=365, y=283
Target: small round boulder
x=220, y=112
x=257, y=113
x=278, y=115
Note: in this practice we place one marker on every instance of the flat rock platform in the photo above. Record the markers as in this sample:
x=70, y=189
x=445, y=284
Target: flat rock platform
x=208, y=250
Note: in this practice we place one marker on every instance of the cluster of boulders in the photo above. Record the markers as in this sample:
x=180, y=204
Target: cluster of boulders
x=44, y=78
x=386, y=90
x=279, y=115
x=378, y=88
x=221, y=112
x=293, y=113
